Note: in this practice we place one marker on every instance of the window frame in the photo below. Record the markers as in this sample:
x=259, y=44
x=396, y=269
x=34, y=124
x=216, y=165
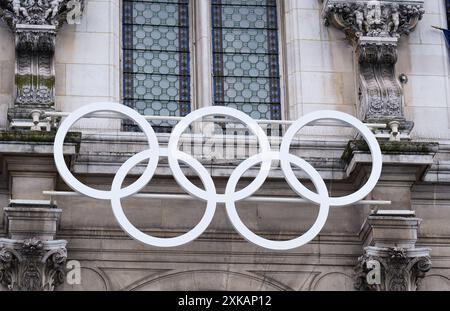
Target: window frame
x=201, y=84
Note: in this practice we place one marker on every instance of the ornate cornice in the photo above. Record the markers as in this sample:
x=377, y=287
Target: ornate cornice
x=40, y=12
x=383, y=18
x=32, y=265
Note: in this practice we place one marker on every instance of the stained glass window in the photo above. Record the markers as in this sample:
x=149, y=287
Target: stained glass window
x=156, y=58
x=246, y=65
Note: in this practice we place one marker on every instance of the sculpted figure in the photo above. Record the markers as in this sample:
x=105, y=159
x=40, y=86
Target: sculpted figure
x=373, y=14
x=359, y=17
x=395, y=19
x=18, y=9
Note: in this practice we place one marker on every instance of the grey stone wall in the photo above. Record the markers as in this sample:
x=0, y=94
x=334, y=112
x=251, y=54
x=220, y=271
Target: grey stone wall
x=320, y=72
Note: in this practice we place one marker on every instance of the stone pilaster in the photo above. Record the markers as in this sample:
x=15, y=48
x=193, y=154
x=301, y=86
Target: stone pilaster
x=374, y=27
x=35, y=24
x=391, y=261
x=30, y=257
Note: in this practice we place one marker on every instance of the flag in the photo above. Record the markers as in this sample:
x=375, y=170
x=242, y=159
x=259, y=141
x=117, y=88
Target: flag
x=446, y=34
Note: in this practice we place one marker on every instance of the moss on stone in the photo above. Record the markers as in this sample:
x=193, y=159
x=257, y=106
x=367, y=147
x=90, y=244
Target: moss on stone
x=390, y=147
x=36, y=136
x=23, y=80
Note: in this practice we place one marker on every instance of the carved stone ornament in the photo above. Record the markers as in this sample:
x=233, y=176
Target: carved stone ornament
x=374, y=28
x=35, y=24
x=400, y=269
x=32, y=265
x=39, y=12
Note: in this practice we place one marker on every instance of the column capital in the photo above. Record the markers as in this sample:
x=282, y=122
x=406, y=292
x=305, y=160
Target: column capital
x=30, y=258
x=401, y=269
x=40, y=12
x=32, y=264
x=369, y=18
x=392, y=262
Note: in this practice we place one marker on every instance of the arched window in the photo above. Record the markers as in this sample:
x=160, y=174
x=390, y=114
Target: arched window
x=156, y=58
x=245, y=48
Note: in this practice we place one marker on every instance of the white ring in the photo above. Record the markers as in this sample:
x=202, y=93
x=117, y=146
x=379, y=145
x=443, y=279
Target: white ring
x=174, y=154
x=279, y=245
x=209, y=194
x=365, y=132
x=135, y=233
x=72, y=182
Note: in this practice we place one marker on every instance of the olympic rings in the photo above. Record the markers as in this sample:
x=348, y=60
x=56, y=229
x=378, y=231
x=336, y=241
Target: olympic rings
x=209, y=193
x=97, y=107
x=279, y=245
x=365, y=132
x=128, y=227
x=174, y=153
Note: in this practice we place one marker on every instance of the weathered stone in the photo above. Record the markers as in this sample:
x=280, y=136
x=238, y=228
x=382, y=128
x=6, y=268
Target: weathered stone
x=374, y=27
x=392, y=253
x=32, y=265
x=35, y=24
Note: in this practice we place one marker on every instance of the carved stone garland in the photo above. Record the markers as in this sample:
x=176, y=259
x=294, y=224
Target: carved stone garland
x=35, y=24
x=32, y=265
x=374, y=28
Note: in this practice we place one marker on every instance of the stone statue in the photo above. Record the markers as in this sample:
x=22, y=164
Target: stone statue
x=359, y=18
x=373, y=16
x=395, y=22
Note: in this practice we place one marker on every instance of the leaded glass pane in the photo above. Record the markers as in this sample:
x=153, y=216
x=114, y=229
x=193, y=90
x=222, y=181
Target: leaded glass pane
x=156, y=58
x=245, y=47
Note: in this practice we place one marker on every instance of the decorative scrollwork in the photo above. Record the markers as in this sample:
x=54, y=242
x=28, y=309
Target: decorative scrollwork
x=401, y=269
x=374, y=28
x=37, y=12
x=373, y=18
x=35, y=24
x=32, y=265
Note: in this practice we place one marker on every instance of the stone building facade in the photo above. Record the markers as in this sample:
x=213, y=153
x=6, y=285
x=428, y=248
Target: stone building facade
x=380, y=61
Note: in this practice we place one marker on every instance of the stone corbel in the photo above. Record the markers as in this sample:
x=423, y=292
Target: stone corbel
x=35, y=24
x=374, y=27
x=391, y=261
x=32, y=265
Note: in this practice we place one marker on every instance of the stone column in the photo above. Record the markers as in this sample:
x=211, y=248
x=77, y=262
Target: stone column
x=203, y=53
x=391, y=261
x=35, y=24
x=374, y=27
x=292, y=12
x=29, y=258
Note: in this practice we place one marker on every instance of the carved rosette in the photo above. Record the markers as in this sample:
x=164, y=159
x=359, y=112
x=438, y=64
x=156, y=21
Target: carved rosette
x=32, y=265
x=373, y=27
x=35, y=24
x=401, y=269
